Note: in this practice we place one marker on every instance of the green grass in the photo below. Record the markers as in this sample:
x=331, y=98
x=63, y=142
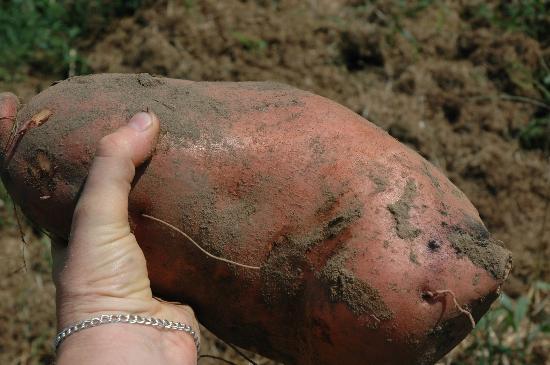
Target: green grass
x=44, y=37
x=513, y=332
x=249, y=42
x=528, y=16
x=536, y=134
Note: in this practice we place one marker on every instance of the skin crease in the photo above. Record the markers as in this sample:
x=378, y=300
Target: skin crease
x=103, y=270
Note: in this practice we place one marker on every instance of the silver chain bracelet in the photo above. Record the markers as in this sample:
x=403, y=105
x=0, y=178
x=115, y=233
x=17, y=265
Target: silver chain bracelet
x=126, y=318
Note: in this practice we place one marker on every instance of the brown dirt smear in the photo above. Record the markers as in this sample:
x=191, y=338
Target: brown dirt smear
x=380, y=183
x=344, y=287
x=482, y=251
x=284, y=270
x=401, y=212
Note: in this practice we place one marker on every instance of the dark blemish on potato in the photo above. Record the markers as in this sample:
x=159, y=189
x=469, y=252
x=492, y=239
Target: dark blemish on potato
x=401, y=212
x=434, y=245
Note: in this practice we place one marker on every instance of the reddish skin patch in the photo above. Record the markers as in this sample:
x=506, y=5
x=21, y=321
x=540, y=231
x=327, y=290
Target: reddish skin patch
x=244, y=168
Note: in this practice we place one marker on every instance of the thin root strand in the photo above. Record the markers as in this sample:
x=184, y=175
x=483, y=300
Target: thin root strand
x=437, y=293
x=240, y=353
x=22, y=236
x=199, y=246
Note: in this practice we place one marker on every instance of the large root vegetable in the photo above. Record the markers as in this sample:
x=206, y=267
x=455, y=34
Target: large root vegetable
x=339, y=244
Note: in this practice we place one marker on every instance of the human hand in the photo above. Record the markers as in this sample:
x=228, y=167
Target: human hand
x=102, y=270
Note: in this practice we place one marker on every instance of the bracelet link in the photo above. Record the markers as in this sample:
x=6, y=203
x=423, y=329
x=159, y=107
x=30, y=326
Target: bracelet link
x=126, y=318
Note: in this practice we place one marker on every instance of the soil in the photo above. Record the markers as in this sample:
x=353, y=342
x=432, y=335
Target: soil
x=456, y=90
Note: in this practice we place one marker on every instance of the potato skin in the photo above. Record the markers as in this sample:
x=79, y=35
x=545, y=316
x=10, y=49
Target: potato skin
x=351, y=228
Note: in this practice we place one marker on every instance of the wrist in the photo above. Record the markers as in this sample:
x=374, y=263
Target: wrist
x=127, y=343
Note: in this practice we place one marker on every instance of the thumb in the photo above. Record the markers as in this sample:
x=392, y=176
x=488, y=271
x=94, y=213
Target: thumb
x=103, y=204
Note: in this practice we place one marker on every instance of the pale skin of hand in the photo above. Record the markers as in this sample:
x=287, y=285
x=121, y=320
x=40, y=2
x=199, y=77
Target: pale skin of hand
x=103, y=270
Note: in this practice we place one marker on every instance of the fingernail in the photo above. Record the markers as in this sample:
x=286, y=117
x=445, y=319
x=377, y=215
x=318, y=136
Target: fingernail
x=141, y=121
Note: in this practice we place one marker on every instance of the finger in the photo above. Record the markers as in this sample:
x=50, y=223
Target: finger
x=8, y=105
x=8, y=111
x=104, y=200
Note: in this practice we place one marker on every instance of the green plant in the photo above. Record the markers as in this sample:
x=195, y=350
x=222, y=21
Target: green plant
x=250, y=43
x=514, y=332
x=189, y=4
x=536, y=134
x=46, y=36
x=528, y=16
x=34, y=38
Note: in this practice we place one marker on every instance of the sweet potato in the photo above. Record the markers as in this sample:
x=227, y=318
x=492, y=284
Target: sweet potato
x=365, y=252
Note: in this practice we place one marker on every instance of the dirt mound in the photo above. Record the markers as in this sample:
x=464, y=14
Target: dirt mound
x=457, y=94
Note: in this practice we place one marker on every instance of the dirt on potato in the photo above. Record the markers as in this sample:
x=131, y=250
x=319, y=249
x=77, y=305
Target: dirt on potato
x=457, y=90
x=356, y=294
